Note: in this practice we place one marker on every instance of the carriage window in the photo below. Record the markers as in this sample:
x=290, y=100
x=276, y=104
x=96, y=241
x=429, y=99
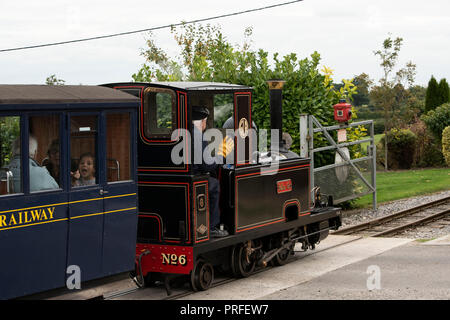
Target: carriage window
x=83, y=151
x=159, y=112
x=44, y=151
x=10, y=167
x=118, y=146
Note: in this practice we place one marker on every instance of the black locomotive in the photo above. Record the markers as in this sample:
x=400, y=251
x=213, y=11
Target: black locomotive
x=265, y=197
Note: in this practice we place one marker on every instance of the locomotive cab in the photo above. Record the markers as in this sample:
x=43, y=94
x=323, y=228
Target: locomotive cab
x=264, y=195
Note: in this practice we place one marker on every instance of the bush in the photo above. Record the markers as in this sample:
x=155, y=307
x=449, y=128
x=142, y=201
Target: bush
x=378, y=126
x=428, y=151
x=401, y=149
x=446, y=144
x=437, y=119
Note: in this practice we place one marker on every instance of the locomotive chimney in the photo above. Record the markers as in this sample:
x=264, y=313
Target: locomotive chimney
x=276, y=112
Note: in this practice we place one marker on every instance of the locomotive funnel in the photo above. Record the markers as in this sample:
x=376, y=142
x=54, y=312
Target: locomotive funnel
x=276, y=112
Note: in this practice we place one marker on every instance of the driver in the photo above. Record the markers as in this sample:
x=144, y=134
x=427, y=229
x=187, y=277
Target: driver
x=199, y=117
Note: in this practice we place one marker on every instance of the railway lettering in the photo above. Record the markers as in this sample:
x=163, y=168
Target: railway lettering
x=23, y=218
x=173, y=259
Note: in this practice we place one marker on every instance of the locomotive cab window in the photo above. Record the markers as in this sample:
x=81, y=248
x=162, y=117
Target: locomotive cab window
x=223, y=110
x=159, y=112
x=10, y=160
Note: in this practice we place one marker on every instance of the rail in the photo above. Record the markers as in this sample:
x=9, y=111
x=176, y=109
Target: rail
x=367, y=226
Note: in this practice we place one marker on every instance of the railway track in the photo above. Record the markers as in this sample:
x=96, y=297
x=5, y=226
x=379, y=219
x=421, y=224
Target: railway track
x=400, y=221
x=180, y=292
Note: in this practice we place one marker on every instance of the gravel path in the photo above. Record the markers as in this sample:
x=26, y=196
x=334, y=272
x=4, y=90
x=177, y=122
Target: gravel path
x=356, y=216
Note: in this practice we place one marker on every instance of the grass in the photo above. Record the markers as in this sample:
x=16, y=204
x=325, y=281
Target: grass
x=424, y=240
x=394, y=185
x=376, y=137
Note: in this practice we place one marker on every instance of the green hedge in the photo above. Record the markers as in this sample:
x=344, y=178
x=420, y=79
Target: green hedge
x=401, y=149
x=437, y=119
x=446, y=144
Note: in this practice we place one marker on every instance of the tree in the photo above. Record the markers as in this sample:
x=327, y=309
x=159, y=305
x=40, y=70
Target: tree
x=9, y=131
x=432, y=97
x=386, y=94
x=437, y=119
x=363, y=82
x=444, y=91
x=53, y=81
x=206, y=55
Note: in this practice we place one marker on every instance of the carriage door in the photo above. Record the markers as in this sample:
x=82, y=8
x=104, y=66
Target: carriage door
x=120, y=190
x=242, y=124
x=86, y=196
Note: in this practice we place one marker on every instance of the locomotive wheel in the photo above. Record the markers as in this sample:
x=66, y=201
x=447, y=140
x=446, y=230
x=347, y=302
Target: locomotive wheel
x=241, y=264
x=202, y=276
x=283, y=256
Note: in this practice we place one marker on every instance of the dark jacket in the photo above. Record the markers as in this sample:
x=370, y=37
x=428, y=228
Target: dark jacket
x=203, y=167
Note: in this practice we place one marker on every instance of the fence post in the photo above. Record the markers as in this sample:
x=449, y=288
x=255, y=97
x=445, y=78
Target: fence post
x=310, y=139
x=373, y=150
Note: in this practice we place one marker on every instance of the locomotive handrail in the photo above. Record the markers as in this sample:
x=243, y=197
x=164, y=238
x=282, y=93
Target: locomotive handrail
x=230, y=184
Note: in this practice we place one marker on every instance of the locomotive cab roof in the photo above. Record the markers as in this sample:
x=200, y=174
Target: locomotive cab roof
x=190, y=85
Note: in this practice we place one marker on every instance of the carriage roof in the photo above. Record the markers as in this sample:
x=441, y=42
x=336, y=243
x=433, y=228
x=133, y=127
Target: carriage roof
x=49, y=94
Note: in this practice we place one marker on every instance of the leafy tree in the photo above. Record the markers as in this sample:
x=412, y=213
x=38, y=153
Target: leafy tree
x=206, y=55
x=53, y=81
x=387, y=94
x=9, y=131
x=363, y=82
x=437, y=119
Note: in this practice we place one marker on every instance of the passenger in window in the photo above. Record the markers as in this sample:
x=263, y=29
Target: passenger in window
x=74, y=172
x=40, y=178
x=52, y=160
x=86, y=168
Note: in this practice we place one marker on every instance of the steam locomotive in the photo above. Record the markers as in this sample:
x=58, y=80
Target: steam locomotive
x=266, y=200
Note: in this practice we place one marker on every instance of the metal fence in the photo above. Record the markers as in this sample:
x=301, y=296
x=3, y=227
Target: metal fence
x=347, y=178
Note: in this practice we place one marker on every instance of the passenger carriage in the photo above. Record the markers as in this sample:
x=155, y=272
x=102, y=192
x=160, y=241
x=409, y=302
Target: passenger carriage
x=50, y=229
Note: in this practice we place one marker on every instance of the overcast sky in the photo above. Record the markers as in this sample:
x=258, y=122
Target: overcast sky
x=344, y=32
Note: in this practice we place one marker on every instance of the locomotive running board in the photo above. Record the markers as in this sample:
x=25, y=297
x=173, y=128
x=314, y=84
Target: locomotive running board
x=218, y=243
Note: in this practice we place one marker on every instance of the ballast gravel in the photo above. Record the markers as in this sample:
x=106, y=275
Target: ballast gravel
x=432, y=231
